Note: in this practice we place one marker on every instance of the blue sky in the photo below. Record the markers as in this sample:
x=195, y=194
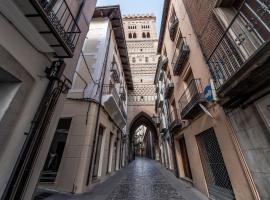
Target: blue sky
x=137, y=7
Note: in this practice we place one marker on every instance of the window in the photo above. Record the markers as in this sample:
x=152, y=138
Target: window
x=146, y=59
x=143, y=35
x=133, y=59
x=56, y=151
x=148, y=35
x=130, y=35
x=134, y=35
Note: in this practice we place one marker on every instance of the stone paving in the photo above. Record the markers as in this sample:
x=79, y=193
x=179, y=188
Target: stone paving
x=143, y=179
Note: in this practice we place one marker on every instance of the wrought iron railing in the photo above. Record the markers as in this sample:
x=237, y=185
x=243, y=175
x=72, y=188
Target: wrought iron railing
x=169, y=90
x=115, y=72
x=191, y=97
x=247, y=33
x=173, y=25
x=174, y=120
x=179, y=57
x=61, y=19
x=123, y=95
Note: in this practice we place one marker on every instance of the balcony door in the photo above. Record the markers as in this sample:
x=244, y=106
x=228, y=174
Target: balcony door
x=189, y=89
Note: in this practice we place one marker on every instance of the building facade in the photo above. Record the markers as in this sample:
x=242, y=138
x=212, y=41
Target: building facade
x=89, y=142
x=40, y=44
x=235, y=42
x=204, y=151
x=142, y=40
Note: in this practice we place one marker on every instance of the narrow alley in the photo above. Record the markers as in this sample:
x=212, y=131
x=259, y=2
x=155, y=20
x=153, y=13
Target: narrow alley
x=134, y=99
x=143, y=179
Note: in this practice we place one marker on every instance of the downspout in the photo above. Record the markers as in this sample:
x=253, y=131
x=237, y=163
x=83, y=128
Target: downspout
x=94, y=146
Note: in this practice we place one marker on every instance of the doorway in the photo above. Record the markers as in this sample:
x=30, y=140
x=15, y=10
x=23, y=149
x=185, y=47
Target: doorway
x=217, y=178
x=185, y=159
x=97, y=155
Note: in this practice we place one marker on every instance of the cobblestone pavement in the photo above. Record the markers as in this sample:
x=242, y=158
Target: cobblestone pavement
x=143, y=179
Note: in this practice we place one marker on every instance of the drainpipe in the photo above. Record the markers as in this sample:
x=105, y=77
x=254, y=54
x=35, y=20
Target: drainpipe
x=94, y=147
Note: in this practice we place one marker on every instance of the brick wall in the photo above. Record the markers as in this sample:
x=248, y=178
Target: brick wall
x=204, y=23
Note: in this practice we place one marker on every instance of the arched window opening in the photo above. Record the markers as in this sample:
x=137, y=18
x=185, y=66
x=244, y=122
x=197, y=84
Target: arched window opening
x=133, y=59
x=134, y=35
x=130, y=35
x=148, y=35
x=143, y=35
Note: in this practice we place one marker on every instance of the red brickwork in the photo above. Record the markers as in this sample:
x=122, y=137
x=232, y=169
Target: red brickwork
x=204, y=22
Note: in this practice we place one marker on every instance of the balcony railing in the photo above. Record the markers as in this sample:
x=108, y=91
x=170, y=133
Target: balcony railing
x=115, y=73
x=63, y=32
x=160, y=100
x=190, y=100
x=110, y=90
x=162, y=128
x=123, y=95
x=169, y=90
x=161, y=75
x=175, y=120
x=238, y=53
x=180, y=56
x=173, y=25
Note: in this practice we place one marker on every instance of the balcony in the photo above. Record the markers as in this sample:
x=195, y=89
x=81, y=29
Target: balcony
x=115, y=72
x=173, y=26
x=160, y=100
x=175, y=123
x=163, y=129
x=55, y=22
x=169, y=90
x=161, y=75
x=164, y=63
x=190, y=100
x=180, y=56
x=157, y=89
x=123, y=95
x=239, y=64
x=113, y=105
x=156, y=120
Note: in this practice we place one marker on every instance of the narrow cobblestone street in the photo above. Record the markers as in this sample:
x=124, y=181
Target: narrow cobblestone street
x=143, y=179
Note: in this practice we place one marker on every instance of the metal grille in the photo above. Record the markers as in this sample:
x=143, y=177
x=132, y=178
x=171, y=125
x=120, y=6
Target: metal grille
x=218, y=181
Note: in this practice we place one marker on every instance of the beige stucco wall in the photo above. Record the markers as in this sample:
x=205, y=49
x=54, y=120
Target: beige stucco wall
x=197, y=64
x=81, y=105
x=27, y=62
